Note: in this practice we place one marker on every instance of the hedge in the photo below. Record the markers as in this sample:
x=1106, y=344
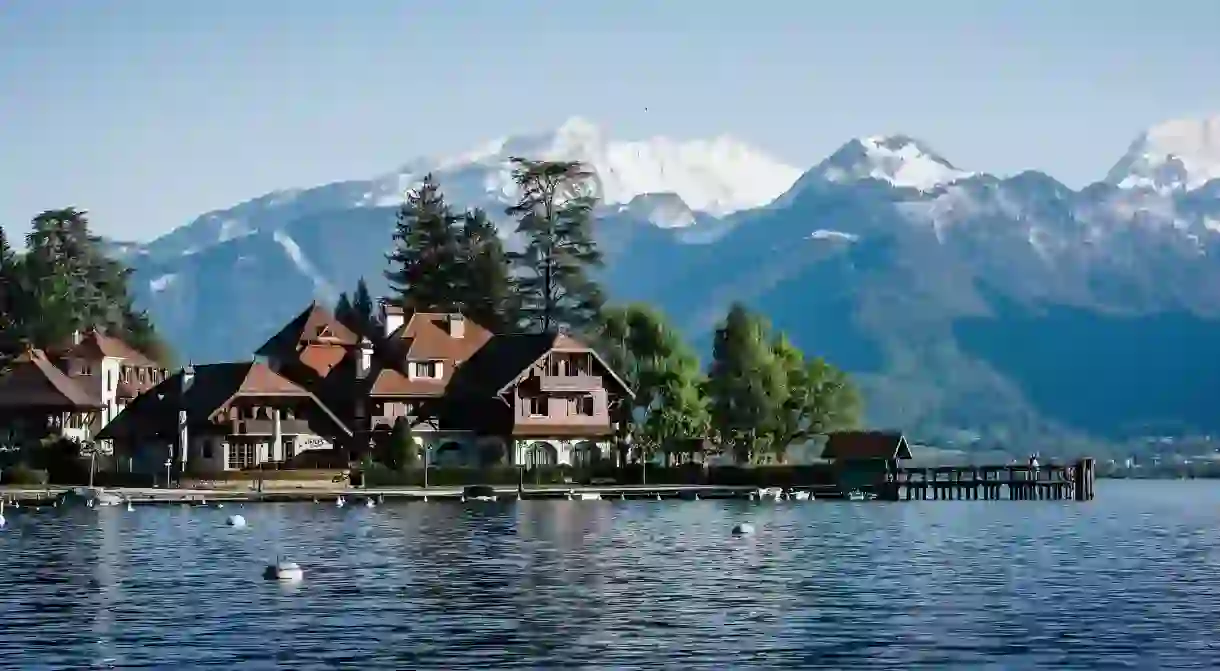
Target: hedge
x=21, y=474
x=376, y=475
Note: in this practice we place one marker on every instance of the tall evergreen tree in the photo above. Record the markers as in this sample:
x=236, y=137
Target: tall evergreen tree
x=554, y=215
x=343, y=311
x=486, y=293
x=65, y=283
x=363, y=312
x=746, y=383
x=424, y=264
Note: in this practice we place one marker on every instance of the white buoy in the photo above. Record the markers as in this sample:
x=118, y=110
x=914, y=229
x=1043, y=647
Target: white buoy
x=237, y=521
x=220, y=505
x=425, y=498
x=284, y=571
x=369, y=503
x=743, y=529
x=340, y=502
x=658, y=497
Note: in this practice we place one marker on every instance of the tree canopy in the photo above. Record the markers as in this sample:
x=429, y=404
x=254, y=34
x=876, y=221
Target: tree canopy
x=64, y=282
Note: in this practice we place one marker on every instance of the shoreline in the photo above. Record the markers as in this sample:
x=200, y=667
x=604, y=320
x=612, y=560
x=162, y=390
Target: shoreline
x=156, y=496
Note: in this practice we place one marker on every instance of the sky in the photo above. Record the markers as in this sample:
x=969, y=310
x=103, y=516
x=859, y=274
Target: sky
x=149, y=113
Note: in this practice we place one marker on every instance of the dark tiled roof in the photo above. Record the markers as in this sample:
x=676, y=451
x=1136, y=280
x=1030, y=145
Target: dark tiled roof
x=314, y=324
x=94, y=345
x=864, y=445
x=213, y=386
x=33, y=382
x=502, y=361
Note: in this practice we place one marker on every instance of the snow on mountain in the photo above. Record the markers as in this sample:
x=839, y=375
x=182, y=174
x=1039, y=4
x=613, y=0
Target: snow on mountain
x=717, y=176
x=1174, y=156
x=897, y=159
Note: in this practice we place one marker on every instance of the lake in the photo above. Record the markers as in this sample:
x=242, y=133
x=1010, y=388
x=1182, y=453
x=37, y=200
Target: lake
x=1130, y=580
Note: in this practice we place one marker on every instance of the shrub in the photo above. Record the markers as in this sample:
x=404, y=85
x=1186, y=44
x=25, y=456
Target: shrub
x=22, y=474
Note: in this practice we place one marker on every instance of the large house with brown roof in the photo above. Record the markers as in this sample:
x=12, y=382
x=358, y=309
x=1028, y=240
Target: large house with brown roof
x=225, y=416
x=77, y=387
x=471, y=397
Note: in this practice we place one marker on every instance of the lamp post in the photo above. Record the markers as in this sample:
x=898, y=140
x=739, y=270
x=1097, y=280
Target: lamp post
x=169, y=463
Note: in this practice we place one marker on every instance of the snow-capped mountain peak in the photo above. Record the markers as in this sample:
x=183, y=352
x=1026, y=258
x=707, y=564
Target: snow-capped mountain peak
x=1176, y=155
x=717, y=176
x=897, y=159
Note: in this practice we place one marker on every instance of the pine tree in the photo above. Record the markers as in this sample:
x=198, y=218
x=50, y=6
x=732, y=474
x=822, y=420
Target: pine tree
x=343, y=311
x=554, y=214
x=68, y=283
x=363, y=313
x=424, y=264
x=486, y=292
x=746, y=383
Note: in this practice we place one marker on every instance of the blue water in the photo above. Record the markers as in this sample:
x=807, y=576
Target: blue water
x=1131, y=580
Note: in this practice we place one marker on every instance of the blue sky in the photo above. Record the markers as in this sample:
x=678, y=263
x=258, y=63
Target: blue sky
x=150, y=112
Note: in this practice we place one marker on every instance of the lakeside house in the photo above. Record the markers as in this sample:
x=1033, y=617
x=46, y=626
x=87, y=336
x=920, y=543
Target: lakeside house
x=471, y=398
x=74, y=389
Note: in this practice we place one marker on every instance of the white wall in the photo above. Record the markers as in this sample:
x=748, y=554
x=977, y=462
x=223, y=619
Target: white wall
x=564, y=449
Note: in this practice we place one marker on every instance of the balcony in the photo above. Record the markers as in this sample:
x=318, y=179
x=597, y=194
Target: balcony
x=562, y=383
x=266, y=427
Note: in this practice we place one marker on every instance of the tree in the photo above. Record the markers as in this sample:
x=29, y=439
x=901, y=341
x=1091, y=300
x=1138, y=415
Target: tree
x=746, y=383
x=554, y=215
x=343, y=310
x=820, y=398
x=658, y=365
x=363, y=312
x=424, y=268
x=403, y=452
x=64, y=282
x=486, y=293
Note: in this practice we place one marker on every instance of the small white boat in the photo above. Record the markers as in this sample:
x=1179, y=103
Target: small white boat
x=797, y=495
x=479, y=493
x=857, y=495
x=773, y=493
x=589, y=496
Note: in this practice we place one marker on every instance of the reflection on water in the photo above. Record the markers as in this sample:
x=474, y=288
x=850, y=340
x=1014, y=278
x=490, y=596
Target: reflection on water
x=1130, y=579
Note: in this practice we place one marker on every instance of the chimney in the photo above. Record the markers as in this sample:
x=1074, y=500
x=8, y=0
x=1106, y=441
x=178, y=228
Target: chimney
x=392, y=316
x=457, y=325
x=366, y=358
x=188, y=378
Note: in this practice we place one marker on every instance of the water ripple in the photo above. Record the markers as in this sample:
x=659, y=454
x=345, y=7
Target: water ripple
x=1128, y=581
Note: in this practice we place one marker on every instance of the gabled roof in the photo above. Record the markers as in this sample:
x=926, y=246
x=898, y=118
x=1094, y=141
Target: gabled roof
x=502, y=362
x=35, y=383
x=425, y=336
x=315, y=324
x=95, y=345
x=213, y=387
x=865, y=445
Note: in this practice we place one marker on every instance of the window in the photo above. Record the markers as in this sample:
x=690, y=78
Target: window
x=290, y=449
x=425, y=369
x=584, y=406
x=241, y=455
x=85, y=368
x=538, y=406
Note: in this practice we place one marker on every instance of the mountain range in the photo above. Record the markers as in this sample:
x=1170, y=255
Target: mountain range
x=974, y=308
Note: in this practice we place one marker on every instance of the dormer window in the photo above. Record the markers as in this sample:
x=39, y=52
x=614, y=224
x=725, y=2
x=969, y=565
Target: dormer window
x=425, y=370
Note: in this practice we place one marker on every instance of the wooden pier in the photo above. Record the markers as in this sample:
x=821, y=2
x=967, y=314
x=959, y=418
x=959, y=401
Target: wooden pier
x=1015, y=482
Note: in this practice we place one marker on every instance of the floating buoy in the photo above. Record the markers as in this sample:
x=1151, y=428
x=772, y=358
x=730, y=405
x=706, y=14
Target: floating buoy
x=340, y=502
x=237, y=521
x=369, y=503
x=220, y=505
x=284, y=571
x=743, y=529
x=658, y=497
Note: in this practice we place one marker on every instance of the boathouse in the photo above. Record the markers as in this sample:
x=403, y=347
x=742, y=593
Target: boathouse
x=865, y=459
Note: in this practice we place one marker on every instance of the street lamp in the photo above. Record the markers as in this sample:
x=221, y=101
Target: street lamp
x=168, y=464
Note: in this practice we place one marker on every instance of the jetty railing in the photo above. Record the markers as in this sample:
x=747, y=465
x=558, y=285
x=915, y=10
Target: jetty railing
x=1016, y=482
